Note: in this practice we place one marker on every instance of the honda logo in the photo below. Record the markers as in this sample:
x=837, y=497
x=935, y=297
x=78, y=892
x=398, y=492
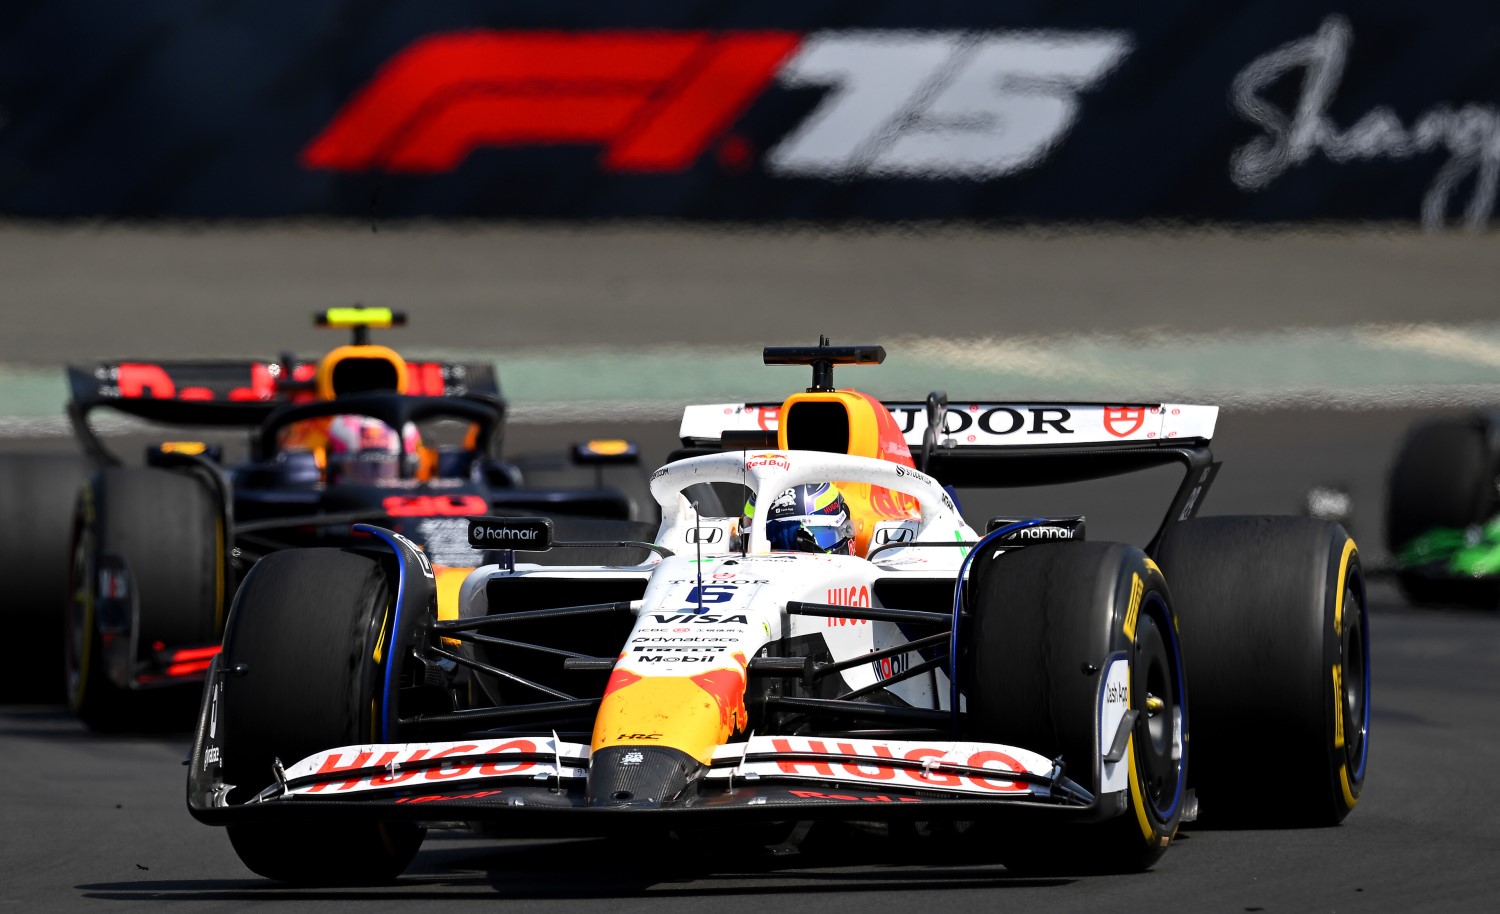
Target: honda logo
x=705, y=535
x=888, y=535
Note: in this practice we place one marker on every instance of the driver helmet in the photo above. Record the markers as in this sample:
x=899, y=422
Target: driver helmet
x=364, y=450
x=807, y=518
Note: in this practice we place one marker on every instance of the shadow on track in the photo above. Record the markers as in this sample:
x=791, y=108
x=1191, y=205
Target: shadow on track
x=456, y=865
x=58, y=723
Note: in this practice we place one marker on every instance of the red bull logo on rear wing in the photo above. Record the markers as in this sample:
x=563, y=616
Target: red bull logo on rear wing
x=265, y=382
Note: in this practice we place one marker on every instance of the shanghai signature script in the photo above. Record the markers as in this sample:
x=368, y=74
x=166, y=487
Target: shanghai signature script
x=1470, y=133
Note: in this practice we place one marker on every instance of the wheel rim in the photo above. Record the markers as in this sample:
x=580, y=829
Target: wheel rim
x=1156, y=693
x=79, y=619
x=1355, y=682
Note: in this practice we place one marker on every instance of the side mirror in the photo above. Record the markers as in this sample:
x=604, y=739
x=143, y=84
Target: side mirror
x=511, y=534
x=176, y=453
x=1055, y=528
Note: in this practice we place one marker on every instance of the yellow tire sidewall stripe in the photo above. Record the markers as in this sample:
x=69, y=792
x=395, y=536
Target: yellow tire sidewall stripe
x=1137, y=793
x=1345, y=786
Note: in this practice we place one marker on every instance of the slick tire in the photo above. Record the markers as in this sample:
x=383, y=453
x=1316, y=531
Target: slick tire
x=36, y=514
x=1047, y=622
x=1444, y=476
x=1276, y=637
x=306, y=641
x=159, y=536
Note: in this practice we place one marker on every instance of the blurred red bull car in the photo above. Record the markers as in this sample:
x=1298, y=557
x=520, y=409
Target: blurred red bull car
x=137, y=564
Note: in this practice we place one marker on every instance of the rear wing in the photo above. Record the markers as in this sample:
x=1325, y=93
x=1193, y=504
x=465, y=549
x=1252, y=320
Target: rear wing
x=978, y=424
x=236, y=394
x=1010, y=445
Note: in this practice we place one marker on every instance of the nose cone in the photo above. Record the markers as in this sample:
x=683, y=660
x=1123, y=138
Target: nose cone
x=693, y=713
x=640, y=777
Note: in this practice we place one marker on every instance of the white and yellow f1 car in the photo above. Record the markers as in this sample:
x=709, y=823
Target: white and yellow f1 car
x=715, y=678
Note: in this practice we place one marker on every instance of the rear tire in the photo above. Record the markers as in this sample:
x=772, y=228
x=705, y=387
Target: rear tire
x=306, y=628
x=161, y=537
x=1275, y=634
x=1048, y=620
x=1444, y=477
x=36, y=506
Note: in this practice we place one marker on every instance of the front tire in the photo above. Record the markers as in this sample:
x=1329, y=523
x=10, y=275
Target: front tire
x=309, y=638
x=1276, y=635
x=1049, y=624
x=147, y=574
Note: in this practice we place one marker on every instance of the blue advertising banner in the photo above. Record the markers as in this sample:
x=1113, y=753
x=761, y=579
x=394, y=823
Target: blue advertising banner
x=1246, y=111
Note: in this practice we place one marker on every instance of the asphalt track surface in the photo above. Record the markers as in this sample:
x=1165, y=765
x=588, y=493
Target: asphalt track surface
x=79, y=291
x=89, y=823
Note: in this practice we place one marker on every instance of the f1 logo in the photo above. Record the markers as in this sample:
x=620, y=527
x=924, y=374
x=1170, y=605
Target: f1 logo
x=655, y=100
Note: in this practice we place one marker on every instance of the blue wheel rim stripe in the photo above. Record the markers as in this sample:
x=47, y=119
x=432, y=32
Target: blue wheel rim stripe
x=388, y=686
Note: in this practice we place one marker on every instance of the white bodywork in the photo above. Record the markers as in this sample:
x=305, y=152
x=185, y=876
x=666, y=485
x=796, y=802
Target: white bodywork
x=717, y=611
x=711, y=607
x=697, y=615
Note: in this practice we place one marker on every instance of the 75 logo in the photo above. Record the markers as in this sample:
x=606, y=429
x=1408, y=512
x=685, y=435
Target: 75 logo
x=941, y=105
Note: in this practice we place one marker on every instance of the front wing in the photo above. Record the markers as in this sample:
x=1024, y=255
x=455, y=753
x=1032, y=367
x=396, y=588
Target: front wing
x=537, y=784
